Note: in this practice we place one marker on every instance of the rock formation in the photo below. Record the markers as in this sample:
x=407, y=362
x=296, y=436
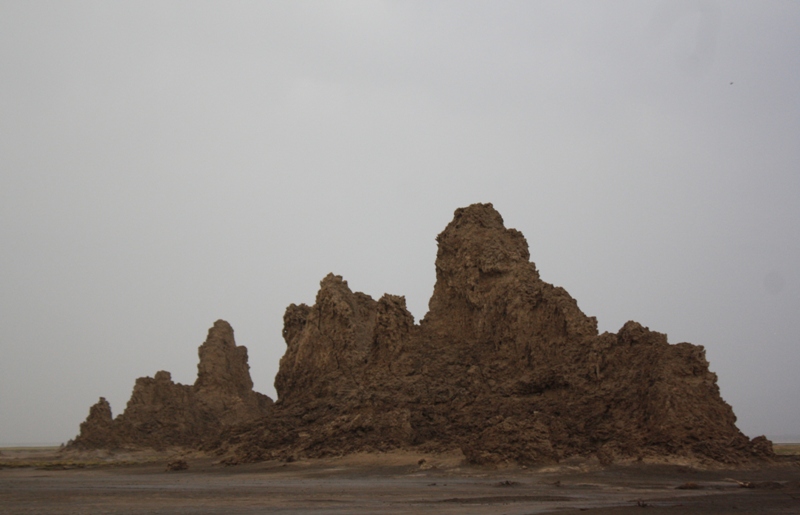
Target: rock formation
x=504, y=367
x=161, y=413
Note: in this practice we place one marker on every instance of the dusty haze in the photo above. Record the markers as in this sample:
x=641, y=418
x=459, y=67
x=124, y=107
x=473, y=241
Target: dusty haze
x=166, y=165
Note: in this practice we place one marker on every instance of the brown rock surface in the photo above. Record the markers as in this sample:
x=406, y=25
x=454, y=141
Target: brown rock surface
x=98, y=429
x=504, y=367
x=161, y=413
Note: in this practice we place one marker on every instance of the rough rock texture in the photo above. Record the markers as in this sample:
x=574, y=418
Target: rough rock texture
x=161, y=413
x=504, y=366
x=98, y=430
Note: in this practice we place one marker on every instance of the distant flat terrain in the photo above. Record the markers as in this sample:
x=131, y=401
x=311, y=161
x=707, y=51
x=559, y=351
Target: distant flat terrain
x=42, y=480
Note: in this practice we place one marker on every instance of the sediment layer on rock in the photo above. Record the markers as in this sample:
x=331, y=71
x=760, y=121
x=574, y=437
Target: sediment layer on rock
x=504, y=366
x=161, y=413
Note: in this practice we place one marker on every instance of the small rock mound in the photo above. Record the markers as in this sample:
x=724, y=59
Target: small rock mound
x=177, y=465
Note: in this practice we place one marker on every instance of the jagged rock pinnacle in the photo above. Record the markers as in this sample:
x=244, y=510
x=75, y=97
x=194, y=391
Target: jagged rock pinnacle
x=161, y=413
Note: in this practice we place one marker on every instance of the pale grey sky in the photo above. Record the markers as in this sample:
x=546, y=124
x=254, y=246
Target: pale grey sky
x=166, y=164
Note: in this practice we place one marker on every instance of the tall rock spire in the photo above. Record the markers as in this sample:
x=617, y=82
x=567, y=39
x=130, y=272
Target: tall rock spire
x=161, y=413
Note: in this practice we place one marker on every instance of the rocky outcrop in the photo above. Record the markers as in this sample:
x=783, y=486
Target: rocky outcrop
x=504, y=366
x=98, y=429
x=161, y=413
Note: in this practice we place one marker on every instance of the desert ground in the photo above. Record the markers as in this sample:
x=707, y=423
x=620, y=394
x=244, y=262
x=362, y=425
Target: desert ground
x=46, y=480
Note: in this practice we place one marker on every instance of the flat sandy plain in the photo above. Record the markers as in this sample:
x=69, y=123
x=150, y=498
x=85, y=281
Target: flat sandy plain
x=42, y=480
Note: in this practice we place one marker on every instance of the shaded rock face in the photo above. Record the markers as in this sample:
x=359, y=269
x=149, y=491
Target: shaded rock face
x=161, y=413
x=504, y=367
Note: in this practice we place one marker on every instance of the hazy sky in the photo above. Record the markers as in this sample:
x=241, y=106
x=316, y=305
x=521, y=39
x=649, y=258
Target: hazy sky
x=166, y=164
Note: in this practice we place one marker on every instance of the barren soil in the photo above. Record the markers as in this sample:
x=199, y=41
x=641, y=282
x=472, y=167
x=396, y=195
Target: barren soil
x=46, y=481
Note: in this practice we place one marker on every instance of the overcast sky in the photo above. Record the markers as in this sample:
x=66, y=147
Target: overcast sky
x=167, y=164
